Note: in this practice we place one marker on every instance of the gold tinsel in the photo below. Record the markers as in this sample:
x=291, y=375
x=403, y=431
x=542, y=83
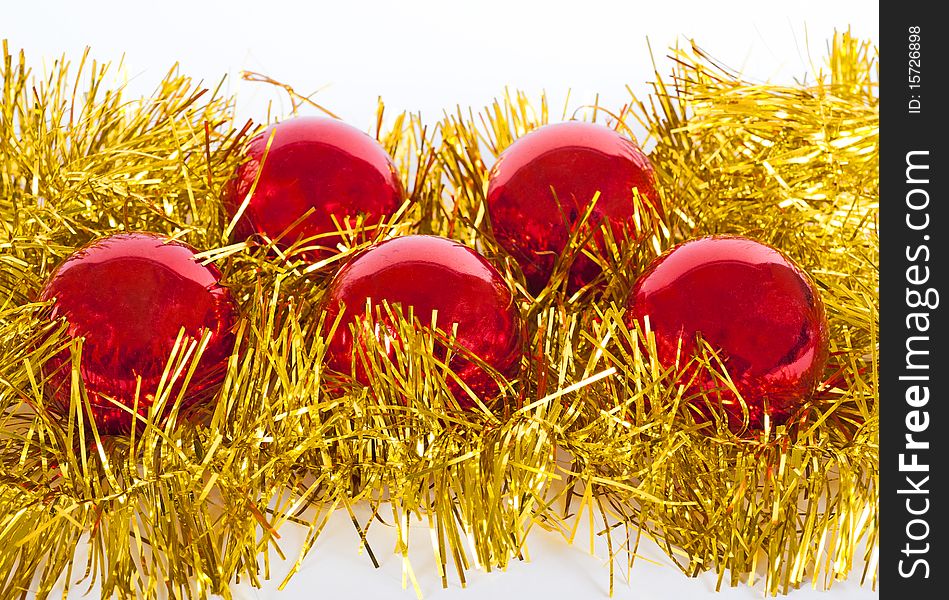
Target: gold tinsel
x=188, y=508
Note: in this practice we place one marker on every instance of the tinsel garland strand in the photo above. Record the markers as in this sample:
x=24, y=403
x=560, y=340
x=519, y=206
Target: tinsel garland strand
x=591, y=429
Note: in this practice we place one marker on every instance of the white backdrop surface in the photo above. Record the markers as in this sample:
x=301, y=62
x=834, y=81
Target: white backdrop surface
x=430, y=56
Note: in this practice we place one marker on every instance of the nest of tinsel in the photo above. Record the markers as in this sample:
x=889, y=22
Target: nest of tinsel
x=592, y=430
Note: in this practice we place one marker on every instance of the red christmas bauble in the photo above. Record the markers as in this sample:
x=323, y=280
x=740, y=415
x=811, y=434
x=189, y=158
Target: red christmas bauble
x=542, y=185
x=431, y=273
x=129, y=295
x=317, y=164
x=752, y=305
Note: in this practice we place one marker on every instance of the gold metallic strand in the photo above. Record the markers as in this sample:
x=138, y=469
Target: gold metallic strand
x=591, y=433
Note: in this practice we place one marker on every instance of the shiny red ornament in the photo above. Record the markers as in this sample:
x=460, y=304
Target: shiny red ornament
x=431, y=273
x=129, y=295
x=751, y=304
x=317, y=164
x=541, y=186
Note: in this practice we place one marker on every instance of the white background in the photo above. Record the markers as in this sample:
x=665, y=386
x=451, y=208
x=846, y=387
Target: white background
x=429, y=56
